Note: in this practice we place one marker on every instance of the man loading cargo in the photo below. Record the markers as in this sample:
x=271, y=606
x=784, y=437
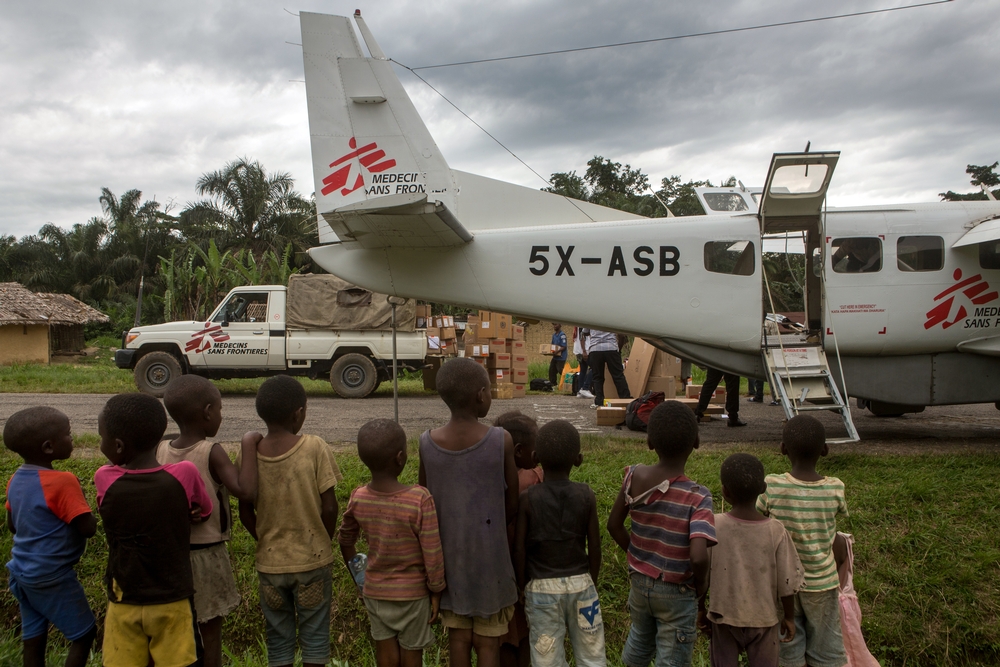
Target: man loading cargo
x=558, y=354
x=603, y=350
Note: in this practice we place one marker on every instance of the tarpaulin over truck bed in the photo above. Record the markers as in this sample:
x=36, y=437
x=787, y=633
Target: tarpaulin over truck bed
x=322, y=301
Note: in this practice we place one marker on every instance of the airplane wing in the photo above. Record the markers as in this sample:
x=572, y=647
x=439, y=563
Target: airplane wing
x=394, y=221
x=983, y=231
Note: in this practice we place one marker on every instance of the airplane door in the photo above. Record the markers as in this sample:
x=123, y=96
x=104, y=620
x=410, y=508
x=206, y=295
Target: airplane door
x=792, y=201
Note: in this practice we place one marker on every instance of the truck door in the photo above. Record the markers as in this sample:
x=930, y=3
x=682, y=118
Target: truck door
x=246, y=339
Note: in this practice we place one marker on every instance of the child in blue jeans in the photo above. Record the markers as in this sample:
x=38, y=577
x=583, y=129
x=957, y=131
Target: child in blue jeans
x=672, y=529
x=558, y=555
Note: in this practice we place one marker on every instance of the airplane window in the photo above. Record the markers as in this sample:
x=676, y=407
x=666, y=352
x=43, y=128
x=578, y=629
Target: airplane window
x=989, y=255
x=243, y=307
x=797, y=179
x=920, y=253
x=725, y=201
x=733, y=257
x=856, y=255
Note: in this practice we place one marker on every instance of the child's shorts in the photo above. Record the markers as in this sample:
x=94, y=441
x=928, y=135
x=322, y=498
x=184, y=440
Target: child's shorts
x=760, y=644
x=818, y=640
x=664, y=623
x=297, y=600
x=61, y=602
x=405, y=620
x=484, y=626
x=215, y=591
x=135, y=634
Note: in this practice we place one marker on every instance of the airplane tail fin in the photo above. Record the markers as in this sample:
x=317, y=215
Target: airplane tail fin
x=369, y=142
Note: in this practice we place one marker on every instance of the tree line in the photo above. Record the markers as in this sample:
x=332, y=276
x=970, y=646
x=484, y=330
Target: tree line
x=253, y=227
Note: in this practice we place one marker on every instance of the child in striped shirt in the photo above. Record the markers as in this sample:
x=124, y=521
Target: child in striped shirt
x=405, y=573
x=672, y=530
x=807, y=504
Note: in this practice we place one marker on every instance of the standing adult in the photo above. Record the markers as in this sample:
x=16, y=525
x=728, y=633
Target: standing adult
x=558, y=354
x=604, y=351
x=582, y=358
x=712, y=378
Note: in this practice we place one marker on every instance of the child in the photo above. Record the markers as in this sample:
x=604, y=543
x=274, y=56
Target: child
x=807, y=504
x=672, y=530
x=753, y=566
x=523, y=430
x=51, y=521
x=405, y=573
x=469, y=469
x=196, y=405
x=147, y=510
x=558, y=549
x=293, y=521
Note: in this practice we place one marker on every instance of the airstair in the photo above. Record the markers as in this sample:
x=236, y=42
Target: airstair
x=800, y=375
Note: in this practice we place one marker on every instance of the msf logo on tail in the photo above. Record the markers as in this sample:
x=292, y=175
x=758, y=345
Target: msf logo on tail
x=371, y=159
x=975, y=289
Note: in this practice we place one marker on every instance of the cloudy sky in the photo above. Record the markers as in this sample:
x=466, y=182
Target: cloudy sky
x=151, y=95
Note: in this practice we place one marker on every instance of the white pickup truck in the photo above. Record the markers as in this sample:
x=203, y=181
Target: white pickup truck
x=319, y=326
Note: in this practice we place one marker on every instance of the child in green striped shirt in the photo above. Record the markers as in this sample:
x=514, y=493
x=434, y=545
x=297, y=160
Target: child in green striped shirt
x=808, y=504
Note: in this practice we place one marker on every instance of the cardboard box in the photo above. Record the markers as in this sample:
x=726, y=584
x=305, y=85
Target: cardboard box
x=448, y=332
x=609, y=386
x=640, y=363
x=610, y=416
x=449, y=348
x=433, y=332
x=498, y=360
x=433, y=345
x=502, y=391
x=481, y=361
x=519, y=390
x=665, y=365
x=694, y=391
x=431, y=367
x=517, y=346
x=503, y=325
x=668, y=385
x=519, y=375
x=517, y=332
x=545, y=349
x=499, y=346
x=485, y=330
x=617, y=402
x=500, y=376
x=519, y=361
x=477, y=350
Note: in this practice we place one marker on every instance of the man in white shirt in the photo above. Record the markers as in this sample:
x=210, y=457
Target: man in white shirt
x=603, y=350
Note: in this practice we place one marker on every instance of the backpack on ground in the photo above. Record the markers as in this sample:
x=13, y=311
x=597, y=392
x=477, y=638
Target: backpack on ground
x=538, y=384
x=638, y=411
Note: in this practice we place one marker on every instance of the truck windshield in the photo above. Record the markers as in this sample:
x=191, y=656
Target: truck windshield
x=243, y=307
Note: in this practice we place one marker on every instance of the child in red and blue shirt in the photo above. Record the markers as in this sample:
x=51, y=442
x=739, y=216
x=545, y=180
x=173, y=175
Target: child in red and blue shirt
x=672, y=529
x=51, y=521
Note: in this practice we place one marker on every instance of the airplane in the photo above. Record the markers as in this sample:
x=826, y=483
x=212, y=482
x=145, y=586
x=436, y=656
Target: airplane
x=904, y=298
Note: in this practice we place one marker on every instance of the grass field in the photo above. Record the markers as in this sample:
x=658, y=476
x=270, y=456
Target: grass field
x=927, y=556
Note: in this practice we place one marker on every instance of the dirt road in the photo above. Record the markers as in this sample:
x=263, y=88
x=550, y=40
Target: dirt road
x=938, y=429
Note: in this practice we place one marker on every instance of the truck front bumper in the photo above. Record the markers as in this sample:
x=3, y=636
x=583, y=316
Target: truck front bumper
x=125, y=358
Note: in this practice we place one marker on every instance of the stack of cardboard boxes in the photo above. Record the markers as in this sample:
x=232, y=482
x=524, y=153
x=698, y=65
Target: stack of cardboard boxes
x=493, y=340
x=442, y=341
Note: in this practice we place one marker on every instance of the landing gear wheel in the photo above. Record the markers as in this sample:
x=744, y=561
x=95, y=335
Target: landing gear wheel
x=154, y=371
x=354, y=376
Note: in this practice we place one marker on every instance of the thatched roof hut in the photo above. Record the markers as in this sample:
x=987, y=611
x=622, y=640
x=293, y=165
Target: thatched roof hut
x=33, y=325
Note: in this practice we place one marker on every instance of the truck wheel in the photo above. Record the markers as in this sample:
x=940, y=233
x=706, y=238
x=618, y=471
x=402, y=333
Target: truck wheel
x=354, y=376
x=154, y=371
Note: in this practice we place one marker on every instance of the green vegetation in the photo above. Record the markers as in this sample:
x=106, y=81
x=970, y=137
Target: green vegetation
x=927, y=555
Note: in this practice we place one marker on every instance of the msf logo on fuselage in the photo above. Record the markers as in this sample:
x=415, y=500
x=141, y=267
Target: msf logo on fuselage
x=977, y=291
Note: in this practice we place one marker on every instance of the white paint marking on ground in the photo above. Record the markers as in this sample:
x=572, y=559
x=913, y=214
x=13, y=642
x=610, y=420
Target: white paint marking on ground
x=547, y=413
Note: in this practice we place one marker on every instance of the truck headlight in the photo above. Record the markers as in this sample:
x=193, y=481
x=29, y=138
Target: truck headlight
x=130, y=336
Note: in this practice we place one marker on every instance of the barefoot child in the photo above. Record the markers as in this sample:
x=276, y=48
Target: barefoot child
x=558, y=549
x=51, y=522
x=405, y=574
x=293, y=521
x=672, y=529
x=808, y=504
x=754, y=565
x=469, y=469
x=514, y=650
x=196, y=405
x=147, y=510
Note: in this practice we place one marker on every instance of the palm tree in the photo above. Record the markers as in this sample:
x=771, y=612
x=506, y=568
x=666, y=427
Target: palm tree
x=256, y=210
